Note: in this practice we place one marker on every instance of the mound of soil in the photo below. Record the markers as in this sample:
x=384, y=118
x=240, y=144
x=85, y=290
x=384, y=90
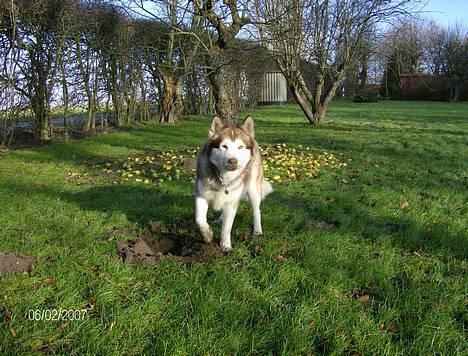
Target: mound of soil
x=12, y=262
x=318, y=224
x=155, y=246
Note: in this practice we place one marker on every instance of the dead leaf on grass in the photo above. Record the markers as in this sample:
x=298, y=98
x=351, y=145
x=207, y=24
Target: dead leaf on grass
x=280, y=258
x=363, y=298
x=91, y=304
x=62, y=326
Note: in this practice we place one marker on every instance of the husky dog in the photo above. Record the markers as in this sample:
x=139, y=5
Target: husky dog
x=229, y=167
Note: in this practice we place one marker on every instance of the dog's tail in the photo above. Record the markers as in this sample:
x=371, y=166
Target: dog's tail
x=266, y=188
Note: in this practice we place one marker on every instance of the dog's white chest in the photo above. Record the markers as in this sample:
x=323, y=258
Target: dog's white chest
x=218, y=198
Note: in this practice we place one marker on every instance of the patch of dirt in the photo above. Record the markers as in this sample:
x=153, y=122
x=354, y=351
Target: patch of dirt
x=165, y=241
x=317, y=224
x=369, y=125
x=5, y=313
x=359, y=294
x=280, y=139
x=12, y=262
x=190, y=163
x=295, y=204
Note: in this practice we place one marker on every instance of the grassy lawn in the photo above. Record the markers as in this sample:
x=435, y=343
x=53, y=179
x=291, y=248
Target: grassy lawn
x=389, y=277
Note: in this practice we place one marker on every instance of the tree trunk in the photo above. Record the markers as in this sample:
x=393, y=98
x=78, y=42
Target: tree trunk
x=363, y=74
x=45, y=130
x=40, y=100
x=314, y=106
x=223, y=101
x=318, y=89
x=130, y=100
x=91, y=116
x=144, y=115
x=113, y=72
x=455, y=90
x=43, y=126
x=320, y=108
x=170, y=109
x=319, y=115
x=65, y=120
x=303, y=103
x=220, y=78
x=65, y=96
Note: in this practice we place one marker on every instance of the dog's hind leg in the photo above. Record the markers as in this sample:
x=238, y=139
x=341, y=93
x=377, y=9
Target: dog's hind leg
x=219, y=219
x=201, y=209
x=255, y=200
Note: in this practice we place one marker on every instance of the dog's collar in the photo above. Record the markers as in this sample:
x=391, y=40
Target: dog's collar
x=223, y=183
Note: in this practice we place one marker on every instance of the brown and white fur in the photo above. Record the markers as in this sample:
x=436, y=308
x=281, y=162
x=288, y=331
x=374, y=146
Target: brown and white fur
x=229, y=168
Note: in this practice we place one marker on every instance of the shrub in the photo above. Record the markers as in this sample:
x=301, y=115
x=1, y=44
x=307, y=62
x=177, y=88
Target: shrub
x=366, y=96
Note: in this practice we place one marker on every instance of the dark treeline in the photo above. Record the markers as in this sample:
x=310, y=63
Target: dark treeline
x=424, y=61
x=60, y=55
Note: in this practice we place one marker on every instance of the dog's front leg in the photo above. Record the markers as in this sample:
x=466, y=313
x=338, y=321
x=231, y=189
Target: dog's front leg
x=201, y=209
x=229, y=213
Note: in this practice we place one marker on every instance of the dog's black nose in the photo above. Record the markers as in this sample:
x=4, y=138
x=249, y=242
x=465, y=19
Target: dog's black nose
x=232, y=161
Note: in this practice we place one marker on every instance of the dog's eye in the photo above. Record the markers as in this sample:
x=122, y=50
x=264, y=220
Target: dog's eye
x=224, y=146
x=240, y=147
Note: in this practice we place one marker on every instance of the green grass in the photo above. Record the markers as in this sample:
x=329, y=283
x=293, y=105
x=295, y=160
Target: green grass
x=391, y=279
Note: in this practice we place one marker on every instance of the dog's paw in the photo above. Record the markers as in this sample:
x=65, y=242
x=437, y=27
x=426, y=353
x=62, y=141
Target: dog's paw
x=257, y=233
x=226, y=249
x=206, y=232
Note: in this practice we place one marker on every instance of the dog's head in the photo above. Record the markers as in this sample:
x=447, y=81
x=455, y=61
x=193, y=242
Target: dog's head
x=231, y=145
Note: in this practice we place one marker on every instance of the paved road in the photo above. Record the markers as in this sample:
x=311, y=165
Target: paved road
x=27, y=125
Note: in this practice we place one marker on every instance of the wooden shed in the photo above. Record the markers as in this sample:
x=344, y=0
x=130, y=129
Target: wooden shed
x=274, y=89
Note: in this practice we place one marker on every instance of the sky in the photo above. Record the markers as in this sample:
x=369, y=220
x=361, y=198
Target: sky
x=447, y=12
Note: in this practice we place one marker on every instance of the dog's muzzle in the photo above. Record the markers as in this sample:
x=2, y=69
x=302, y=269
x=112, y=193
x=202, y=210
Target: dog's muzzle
x=231, y=167
x=232, y=164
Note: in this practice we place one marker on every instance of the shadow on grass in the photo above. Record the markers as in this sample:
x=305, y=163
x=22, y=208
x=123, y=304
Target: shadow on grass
x=173, y=205
x=402, y=231
x=144, y=205
x=141, y=205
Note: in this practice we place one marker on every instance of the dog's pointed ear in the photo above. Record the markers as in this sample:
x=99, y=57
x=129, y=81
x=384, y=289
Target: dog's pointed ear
x=248, y=125
x=216, y=125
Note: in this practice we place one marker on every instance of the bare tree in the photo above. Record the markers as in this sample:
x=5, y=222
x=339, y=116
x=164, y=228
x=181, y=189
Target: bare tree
x=327, y=34
x=448, y=53
x=37, y=39
x=173, y=29
x=116, y=39
x=12, y=102
x=227, y=18
x=403, y=51
x=86, y=46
